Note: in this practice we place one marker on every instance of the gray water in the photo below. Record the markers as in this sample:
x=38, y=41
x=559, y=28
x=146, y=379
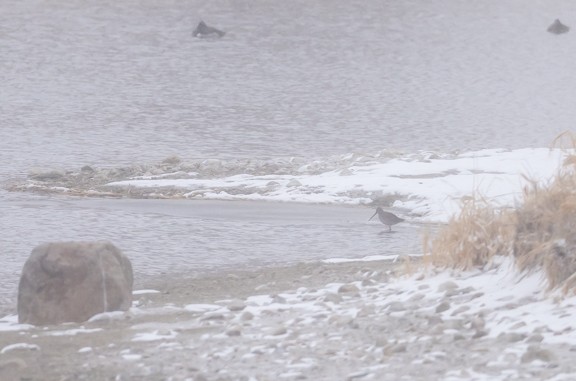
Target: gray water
x=110, y=83
x=115, y=82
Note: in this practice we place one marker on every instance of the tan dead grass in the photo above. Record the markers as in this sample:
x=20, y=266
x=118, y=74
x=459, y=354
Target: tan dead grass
x=540, y=234
x=546, y=229
x=472, y=238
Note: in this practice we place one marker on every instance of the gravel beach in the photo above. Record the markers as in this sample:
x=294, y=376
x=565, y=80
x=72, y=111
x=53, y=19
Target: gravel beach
x=316, y=321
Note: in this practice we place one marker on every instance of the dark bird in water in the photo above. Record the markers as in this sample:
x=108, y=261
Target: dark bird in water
x=386, y=218
x=205, y=31
x=558, y=28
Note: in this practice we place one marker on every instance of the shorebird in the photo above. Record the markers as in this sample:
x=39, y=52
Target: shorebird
x=386, y=218
x=558, y=28
x=205, y=31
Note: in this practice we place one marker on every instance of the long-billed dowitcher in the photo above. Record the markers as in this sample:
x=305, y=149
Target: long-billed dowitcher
x=386, y=218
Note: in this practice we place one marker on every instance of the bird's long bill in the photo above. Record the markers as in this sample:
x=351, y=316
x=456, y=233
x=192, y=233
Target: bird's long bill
x=375, y=213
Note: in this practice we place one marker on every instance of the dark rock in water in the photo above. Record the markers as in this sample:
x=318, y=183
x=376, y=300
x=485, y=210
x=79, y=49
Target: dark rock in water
x=205, y=31
x=73, y=281
x=558, y=28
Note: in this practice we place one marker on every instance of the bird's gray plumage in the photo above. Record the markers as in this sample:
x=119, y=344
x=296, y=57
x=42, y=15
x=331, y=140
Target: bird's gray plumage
x=386, y=218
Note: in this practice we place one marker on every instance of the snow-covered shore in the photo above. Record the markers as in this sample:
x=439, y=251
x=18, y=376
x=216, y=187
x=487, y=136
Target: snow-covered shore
x=357, y=320
x=426, y=185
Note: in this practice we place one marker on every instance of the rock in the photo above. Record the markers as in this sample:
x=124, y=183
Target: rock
x=511, y=337
x=395, y=348
x=277, y=331
x=534, y=352
x=457, y=324
x=444, y=306
x=518, y=325
x=236, y=305
x=478, y=323
x=11, y=369
x=246, y=315
x=332, y=297
x=467, y=290
x=348, y=288
x=19, y=347
x=480, y=333
x=357, y=375
x=278, y=299
x=396, y=307
x=416, y=297
x=341, y=320
x=535, y=338
x=73, y=281
x=447, y=286
x=210, y=315
x=234, y=331
x=459, y=310
x=294, y=183
x=367, y=310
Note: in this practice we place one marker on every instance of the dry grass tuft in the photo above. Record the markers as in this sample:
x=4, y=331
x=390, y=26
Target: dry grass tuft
x=546, y=228
x=540, y=234
x=472, y=238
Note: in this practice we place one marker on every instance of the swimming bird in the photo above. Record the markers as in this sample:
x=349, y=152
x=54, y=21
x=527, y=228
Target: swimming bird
x=558, y=28
x=205, y=31
x=387, y=218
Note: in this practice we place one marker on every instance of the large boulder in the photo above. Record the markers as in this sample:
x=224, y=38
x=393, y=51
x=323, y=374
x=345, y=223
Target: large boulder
x=73, y=281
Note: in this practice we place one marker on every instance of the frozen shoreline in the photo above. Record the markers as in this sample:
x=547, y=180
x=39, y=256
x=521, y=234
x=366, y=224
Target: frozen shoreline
x=313, y=321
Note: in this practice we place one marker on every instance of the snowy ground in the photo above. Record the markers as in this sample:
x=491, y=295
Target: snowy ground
x=344, y=321
x=429, y=186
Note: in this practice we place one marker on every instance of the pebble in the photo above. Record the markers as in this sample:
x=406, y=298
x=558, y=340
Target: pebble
x=277, y=331
x=444, y=306
x=457, y=324
x=447, y=286
x=20, y=346
x=368, y=282
x=294, y=183
x=476, y=295
x=416, y=297
x=11, y=369
x=535, y=338
x=357, y=375
x=332, y=297
x=460, y=309
x=479, y=333
x=399, y=348
x=348, y=288
x=246, y=315
x=212, y=316
x=340, y=320
x=520, y=324
x=467, y=290
x=534, y=352
x=233, y=331
x=396, y=307
x=478, y=323
x=511, y=337
x=236, y=305
x=278, y=299
x=367, y=310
